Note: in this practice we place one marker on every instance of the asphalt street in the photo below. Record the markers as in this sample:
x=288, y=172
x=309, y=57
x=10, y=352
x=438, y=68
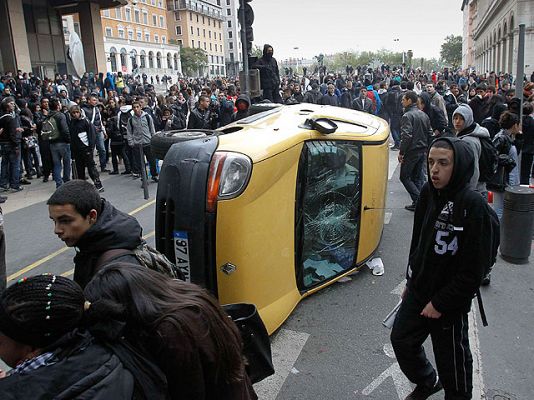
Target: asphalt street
x=333, y=346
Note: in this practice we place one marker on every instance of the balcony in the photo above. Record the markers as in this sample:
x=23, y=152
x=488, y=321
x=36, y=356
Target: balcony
x=197, y=6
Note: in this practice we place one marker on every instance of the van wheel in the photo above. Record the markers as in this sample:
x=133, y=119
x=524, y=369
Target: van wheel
x=161, y=142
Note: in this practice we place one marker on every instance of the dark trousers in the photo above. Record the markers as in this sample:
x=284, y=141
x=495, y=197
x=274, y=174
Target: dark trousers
x=450, y=342
x=140, y=163
x=526, y=168
x=119, y=150
x=84, y=159
x=30, y=160
x=411, y=173
x=273, y=95
x=46, y=157
x=3, y=275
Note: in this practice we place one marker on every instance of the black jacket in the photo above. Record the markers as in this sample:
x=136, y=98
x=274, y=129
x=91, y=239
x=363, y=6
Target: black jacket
x=200, y=119
x=269, y=73
x=445, y=262
x=312, y=96
x=113, y=229
x=415, y=131
x=9, y=122
x=328, y=100
x=93, y=115
x=62, y=125
x=528, y=134
x=85, y=368
x=240, y=114
x=438, y=121
x=82, y=135
x=365, y=105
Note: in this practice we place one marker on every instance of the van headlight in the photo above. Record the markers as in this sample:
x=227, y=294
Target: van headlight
x=228, y=177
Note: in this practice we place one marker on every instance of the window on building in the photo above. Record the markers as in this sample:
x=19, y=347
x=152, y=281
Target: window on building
x=130, y=34
x=215, y=46
x=211, y=59
x=180, y=42
x=198, y=44
x=154, y=20
x=160, y=4
x=204, y=32
x=156, y=39
x=121, y=33
x=203, y=20
x=147, y=37
x=190, y=16
x=118, y=13
x=211, y=47
x=220, y=36
x=137, y=16
x=229, y=24
x=230, y=34
x=128, y=14
x=192, y=31
x=231, y=45
x=228, y=11
x=145, y=17
x=163, y=40
x=232, y=57
x=193, y=44
x=109, y=32
x=227, y=2
x=139, y=35
x=106, y=13
x=218, y=2
x=217, y=59
x=205, y=47
x=198, y=31
x=153, y=2
x=197, y=17
x=209, y=21
x=209, y=34
x=178, y=30
x=177, y=16
x=161, y=21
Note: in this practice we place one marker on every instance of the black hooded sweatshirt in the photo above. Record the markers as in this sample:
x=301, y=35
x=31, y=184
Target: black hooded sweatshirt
x=269, y=73
x=445, y=263
x=113, y=229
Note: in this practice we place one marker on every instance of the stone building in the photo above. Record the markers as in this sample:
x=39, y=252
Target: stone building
x=490, y=38
x=199, y=24
x=232, y=32
x=136, y=39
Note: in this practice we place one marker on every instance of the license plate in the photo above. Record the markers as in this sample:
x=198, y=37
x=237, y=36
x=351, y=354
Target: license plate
x=181, y=253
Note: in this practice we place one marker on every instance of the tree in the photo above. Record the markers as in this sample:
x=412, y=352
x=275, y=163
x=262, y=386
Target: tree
x=257, y=51
x=451, y=50
x=193, y=59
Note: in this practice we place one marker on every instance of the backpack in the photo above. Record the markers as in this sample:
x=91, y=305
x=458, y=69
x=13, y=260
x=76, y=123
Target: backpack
x=488, y=161
x=50, y=130
x=495, y=234
x=123, y=121
x=147, y=257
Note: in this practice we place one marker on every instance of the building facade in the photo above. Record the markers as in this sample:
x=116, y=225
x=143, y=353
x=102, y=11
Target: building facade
x=199, y=24
x=136, y=39
x=491, y=29
x=232, y=33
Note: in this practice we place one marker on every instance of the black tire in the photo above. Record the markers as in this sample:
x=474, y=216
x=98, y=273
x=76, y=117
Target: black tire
x=161, y=142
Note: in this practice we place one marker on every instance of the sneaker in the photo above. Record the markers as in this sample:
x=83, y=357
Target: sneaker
x=24, y=181
x=4, y=188
x=126, y=173
x=114, y=173
x=16, y=189
x=410, y=207
x=422, y=392
x=155, y=179
x=135, y=176
x=100, y=189
x=45, y=179
x=104, y=170
x=3, y=199
x=487, y=279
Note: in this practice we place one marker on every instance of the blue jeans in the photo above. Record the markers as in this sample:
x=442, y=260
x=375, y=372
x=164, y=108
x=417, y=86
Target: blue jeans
x=10, y=166
x=61, y=159
x=101, y=149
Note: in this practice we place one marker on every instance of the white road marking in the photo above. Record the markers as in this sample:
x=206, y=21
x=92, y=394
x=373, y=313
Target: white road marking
x=478, y=378
x=393, y=164
x=402, y=385
x=387, y=218
x=286, y=346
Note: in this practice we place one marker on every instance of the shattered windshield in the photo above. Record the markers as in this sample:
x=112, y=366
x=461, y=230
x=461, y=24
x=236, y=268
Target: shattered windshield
x=328, y=210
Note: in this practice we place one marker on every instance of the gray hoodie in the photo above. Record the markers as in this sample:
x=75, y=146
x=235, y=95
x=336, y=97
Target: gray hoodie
x=471, y=134
x=139, y=130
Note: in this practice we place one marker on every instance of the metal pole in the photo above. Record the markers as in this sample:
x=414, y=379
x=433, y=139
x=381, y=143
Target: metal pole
x=520, y=69
x=144, y=179
x=244, y=49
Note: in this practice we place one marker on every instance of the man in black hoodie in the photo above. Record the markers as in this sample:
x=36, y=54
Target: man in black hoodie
x=84, y=220
x=445, y=269
x=269, y=75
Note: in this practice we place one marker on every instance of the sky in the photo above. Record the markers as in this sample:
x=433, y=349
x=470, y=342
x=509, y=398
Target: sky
x=333, y=26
